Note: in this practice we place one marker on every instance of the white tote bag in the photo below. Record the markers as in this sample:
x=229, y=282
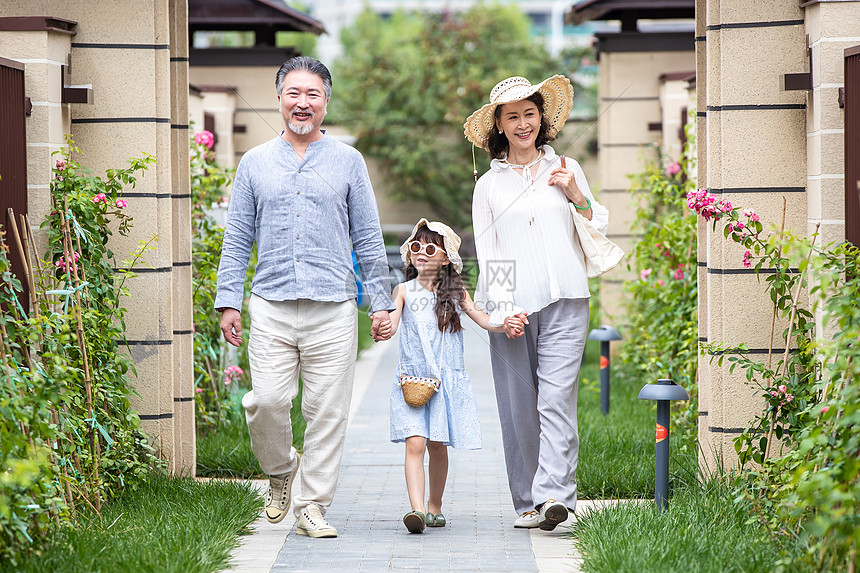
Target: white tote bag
x=601, y=254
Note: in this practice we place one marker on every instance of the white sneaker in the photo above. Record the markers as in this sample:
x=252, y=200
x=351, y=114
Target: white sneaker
x=278, y=496
x=528, y=520
x=551, y=514
x=313, y=524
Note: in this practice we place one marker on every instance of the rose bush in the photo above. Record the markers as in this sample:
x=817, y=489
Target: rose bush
x=805, y=482
x=69, y=435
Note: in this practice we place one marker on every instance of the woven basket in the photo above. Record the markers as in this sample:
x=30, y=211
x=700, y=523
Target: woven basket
x=417, y=390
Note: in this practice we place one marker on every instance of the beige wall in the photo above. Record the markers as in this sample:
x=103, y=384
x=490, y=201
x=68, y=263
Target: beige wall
x=138, y=70
x=255, y=101
x=195, y=110
x=753, y=152
x=674, y=99
x=222, y=106
x=630, y=99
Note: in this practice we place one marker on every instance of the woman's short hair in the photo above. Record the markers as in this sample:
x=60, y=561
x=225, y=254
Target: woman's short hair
x=498, y=143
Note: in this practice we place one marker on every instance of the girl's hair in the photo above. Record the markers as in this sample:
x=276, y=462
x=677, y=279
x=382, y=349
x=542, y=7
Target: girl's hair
x=448, y=285
x=498, y=143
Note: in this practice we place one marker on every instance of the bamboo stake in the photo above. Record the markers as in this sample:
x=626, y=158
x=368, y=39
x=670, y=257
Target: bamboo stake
x=32, y=244
x=20, y=246
x=790, y=332
x=28, y=265
x=773, y=326
x=83, y=275
x=67, y=497
x=95, y=446
x=773, y=314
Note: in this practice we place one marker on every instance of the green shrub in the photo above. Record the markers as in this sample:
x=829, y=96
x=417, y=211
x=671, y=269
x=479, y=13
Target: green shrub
x=662, y=335
x=68, y=435
x=805, y=481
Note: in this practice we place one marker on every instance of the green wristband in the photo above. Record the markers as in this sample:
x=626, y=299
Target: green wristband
x=586, y=208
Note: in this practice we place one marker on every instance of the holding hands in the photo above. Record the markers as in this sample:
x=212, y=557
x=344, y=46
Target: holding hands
x=381, y=328
x=515, y=325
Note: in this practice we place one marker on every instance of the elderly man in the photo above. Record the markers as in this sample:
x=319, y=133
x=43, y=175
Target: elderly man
x=303, y=196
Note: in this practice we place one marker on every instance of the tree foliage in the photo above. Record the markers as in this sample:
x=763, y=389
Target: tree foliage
x=406, y=84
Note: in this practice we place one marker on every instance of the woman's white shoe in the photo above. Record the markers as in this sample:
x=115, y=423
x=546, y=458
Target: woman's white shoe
x=528, y=520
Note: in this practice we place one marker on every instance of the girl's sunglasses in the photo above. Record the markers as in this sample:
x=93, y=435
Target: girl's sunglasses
x=429, y=249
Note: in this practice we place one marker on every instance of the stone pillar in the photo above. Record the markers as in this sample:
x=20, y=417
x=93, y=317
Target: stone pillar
x=752, y=152
x=185, y=455
x=831, y=28
x=631, y=64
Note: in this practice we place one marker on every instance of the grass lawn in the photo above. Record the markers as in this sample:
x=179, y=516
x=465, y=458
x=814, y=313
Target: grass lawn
x=704, y=531
x=168, y=525
x=226, y=451
x=616, y=451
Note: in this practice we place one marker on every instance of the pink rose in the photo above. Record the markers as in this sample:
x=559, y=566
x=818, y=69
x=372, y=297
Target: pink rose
x=755, y=218
x=100, y=197
x=661, y=283
x=200, y=390
x=679, y=274
x=204, y=138
x=747, y=261
x=121, y=203
x=782, y=388
x=824, y=409
x=644, y=274
x=673, y=169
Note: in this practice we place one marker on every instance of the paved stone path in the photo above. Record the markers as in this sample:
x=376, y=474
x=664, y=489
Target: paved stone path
x=371, y=498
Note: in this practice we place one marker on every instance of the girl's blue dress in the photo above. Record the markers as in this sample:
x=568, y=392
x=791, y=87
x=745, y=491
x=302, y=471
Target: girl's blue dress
x=451, y=415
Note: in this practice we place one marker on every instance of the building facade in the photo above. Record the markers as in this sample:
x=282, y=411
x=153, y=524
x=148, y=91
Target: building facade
x=771, y=86
x=644, y=68
x=119, y=86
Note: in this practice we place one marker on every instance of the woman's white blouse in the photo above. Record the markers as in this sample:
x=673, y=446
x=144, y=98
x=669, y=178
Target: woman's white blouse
x=528, y=256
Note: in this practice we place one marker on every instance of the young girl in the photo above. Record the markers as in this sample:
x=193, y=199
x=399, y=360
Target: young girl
x=431, y=344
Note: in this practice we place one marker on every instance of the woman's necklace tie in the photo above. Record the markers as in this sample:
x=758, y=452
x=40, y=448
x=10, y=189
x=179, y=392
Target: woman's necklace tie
x=528, y=180
x=526, y=165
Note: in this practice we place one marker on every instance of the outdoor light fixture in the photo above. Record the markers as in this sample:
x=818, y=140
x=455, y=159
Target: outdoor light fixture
x=663, y=392
x=604, y=334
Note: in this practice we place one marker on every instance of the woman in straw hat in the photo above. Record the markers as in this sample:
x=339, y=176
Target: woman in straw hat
x=532, y=266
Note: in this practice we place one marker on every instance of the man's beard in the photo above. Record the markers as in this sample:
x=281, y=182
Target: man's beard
x=301, y=128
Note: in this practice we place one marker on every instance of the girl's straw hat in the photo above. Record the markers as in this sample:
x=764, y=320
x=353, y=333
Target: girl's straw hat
x=450, y=239
x=557, y=102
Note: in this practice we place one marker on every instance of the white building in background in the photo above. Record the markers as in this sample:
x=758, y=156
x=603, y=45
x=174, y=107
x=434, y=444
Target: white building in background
x=547, y=18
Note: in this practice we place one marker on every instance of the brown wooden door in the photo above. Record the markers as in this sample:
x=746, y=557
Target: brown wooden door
x=13, y=158
x=852, y=145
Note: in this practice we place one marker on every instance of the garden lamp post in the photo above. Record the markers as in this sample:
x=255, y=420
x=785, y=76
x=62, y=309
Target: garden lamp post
x=663, y=392
x=604, y=334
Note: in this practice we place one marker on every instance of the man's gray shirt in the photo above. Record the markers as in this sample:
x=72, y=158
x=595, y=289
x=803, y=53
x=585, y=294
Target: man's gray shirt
x=303, y=213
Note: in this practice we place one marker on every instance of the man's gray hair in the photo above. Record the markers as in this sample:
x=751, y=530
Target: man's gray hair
x=309, y=65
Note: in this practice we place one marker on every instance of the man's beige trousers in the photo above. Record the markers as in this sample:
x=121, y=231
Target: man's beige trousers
x=317, y=340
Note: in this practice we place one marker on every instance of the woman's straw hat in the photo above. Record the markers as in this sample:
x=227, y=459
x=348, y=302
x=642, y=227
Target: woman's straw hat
x=450, y=239
x=557, y=102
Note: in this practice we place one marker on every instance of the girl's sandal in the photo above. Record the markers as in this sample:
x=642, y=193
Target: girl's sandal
x=414, y=521
x=437, y=520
